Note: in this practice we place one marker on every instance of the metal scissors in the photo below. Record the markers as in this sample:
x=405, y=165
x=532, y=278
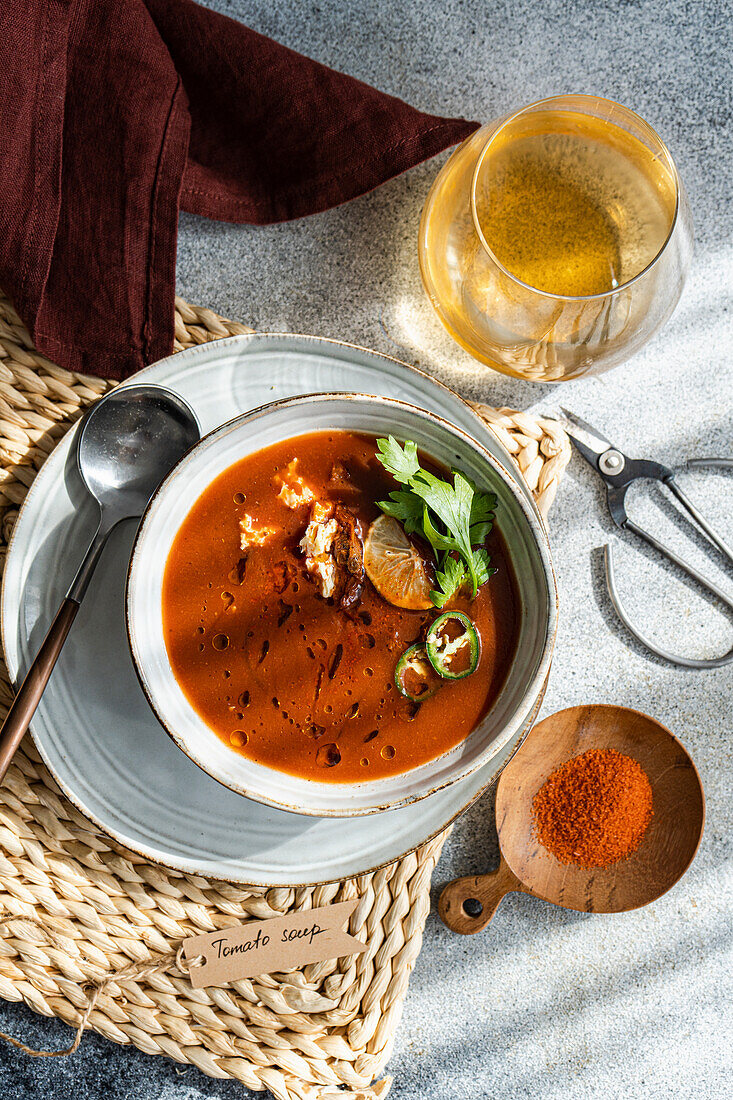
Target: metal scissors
x=619, y=472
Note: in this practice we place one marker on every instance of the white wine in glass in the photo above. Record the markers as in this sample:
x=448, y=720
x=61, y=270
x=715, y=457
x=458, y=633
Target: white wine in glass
x=556, y=241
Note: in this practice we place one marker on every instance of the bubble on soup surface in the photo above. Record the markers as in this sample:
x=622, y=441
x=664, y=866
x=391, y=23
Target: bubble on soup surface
x=243, y=699
x=328, y=756
x=286, y=611
x=335, y=661
x=220, y=641
x=236, y=575
x=388, y=752
x=365, y=763
x=238, y=738
x=239, y=498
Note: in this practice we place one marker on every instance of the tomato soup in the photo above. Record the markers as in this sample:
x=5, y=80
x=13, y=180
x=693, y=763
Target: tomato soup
x=280, y=641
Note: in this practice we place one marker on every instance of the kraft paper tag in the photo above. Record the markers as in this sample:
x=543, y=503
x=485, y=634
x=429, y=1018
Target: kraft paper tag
x=264, y=946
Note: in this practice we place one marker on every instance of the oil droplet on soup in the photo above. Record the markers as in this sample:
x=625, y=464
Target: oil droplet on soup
x=328, y=756
x=238, y=738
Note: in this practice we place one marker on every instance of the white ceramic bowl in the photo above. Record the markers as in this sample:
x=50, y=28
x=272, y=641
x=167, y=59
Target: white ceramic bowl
x=528, y=549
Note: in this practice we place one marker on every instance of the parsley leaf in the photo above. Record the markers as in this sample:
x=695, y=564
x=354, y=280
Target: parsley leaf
x=405, y=507
x=452, y=518
x=401, y=463
x=483, y=569
x=482, y=514
x=449, y=579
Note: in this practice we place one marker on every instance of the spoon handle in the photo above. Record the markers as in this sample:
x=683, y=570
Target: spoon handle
x=466, y=905
x=24, y=705
x=32, y=688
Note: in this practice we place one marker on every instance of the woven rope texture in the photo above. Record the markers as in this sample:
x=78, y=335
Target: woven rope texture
x=75, y=906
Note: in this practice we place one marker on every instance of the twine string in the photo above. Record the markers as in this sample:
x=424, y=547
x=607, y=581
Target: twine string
x=164, y=960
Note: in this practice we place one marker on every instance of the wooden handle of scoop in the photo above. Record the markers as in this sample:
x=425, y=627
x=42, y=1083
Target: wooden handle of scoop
x=32, y=688
x=466, y=905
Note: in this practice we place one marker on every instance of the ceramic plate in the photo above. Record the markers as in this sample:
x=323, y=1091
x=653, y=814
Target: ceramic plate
x=94, y=727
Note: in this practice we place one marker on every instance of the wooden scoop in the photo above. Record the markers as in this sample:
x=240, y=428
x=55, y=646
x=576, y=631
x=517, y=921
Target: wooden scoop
x=667, y=849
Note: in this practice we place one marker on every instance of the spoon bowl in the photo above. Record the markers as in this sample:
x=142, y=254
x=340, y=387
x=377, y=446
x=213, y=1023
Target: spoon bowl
x=667, y=847
x=129, y=441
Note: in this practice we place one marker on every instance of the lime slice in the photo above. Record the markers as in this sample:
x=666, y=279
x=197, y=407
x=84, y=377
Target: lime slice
x=396, y=567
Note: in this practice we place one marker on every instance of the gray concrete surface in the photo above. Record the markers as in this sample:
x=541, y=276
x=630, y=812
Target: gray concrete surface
x=546, y=1004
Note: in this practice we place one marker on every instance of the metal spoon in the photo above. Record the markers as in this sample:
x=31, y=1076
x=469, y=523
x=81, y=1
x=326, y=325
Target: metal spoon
x=125, y=446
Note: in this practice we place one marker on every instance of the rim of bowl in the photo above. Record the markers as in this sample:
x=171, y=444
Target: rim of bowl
x=532, y=690
x=556, y=99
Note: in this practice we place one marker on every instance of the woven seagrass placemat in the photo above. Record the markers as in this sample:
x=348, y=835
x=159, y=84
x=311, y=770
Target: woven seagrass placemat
x=85, y=924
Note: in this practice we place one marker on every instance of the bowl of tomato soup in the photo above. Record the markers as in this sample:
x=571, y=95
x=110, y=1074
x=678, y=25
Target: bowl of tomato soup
x=339, y=603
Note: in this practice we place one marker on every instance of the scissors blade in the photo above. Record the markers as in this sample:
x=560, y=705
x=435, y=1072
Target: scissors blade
x=586, y=439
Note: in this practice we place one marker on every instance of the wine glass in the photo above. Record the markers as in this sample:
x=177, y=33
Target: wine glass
x=555, y=241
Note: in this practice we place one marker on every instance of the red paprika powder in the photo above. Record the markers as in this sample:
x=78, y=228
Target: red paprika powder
x=594, y=809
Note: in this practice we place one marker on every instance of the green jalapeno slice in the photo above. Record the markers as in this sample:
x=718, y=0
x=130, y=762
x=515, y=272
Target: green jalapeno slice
x=453, y=645
x=415, y=677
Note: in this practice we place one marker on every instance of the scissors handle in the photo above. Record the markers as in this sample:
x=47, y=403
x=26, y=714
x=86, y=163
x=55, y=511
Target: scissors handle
x=667, y=552
x=702, y=463
x=673, y=658
x=700, y=520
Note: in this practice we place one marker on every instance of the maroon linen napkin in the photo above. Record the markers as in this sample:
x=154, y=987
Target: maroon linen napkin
x=114, y=115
